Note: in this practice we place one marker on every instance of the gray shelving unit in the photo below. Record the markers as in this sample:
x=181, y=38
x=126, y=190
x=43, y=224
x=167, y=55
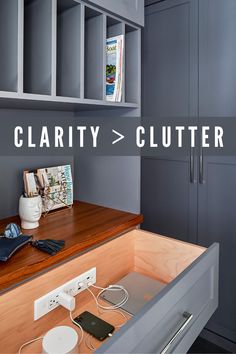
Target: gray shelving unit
x=54, y=52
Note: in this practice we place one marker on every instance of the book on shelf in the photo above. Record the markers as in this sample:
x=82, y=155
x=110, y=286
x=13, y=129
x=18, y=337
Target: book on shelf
x=114, y=68
x=54, y=184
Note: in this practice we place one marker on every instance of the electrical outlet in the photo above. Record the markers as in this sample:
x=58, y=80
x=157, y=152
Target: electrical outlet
x=49, y=302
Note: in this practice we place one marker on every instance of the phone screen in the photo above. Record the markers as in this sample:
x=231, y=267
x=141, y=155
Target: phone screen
x=94, y=325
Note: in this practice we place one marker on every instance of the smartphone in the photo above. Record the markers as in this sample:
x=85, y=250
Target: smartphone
x=93, y=325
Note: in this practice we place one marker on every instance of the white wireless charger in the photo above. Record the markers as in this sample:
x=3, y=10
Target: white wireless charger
x=60, y=340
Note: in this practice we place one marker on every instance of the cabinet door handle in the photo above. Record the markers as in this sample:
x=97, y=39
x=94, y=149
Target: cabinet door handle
x=187, y=318
x=192, y=167
x=201, y=167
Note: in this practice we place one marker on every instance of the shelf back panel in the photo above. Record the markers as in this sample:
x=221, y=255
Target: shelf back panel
x=8, y=45
x=69, y=51
x=38, y=46
x=94, y=55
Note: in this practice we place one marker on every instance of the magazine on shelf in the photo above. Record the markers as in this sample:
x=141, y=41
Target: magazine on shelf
x=54, y=184
x=114, y=68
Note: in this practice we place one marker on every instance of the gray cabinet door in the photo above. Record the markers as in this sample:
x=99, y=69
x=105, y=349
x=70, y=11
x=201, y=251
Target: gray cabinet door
x=217, y=195
x=133, y=10
x=217, y=55
x=217, y=223
x=169, y=200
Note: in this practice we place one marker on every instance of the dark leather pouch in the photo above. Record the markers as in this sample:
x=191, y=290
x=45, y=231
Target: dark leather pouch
x=9, y=246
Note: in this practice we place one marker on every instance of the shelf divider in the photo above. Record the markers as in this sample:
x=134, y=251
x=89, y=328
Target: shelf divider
x=82, y=50
x=20, y=45
x=104, y=55
x=54, y=49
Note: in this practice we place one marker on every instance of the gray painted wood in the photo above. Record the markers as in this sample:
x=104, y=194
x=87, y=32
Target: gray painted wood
x=132, y=64
x=133, y=10
x=54, y=49
x=38, y=47
x=9, y=45
x=42, y=102
x=94, y=54
x=217, y=55
x=217, y=223
x=69, y=28
x=195, y=291
x=216, y=197
x=20, y=63
x=168, y=198
x=82, y=51
x=114, y=27
x=170, y=86
x=44, y=65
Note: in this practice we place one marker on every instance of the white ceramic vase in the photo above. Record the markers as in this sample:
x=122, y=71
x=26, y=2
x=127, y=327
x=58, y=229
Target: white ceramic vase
x=30, y=211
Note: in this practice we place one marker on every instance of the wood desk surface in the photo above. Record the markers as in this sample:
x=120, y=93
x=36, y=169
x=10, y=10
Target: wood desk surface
x=83, y=227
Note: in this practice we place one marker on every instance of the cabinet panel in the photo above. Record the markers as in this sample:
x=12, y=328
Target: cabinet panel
x=217, y=223
x=217, y=55
x=133, y=10
x=169, y=200
x=166, y=198
x=169, y=60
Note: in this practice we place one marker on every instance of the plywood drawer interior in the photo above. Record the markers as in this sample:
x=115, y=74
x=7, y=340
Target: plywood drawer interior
x=159, y=257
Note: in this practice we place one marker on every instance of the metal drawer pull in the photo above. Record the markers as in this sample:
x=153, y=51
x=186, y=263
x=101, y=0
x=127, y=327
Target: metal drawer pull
x=192, y=167
x=201, y=173
x=188, y=317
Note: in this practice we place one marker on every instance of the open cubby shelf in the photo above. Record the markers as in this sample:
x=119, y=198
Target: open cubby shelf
x=55, y=52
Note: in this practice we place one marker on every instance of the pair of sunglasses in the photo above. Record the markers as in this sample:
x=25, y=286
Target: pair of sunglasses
x=11, y=231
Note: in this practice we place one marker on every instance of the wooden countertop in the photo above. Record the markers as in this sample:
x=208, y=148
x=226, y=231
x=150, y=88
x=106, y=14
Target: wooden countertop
x=83, y=227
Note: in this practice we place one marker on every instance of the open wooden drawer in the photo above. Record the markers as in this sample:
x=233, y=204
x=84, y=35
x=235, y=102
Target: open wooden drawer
x=170, y=322
x=175, y=317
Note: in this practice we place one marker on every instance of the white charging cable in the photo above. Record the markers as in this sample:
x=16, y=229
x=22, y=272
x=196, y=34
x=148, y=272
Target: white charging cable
x=68, y=302
x=28, y=343
x=113, y=308
x=78, y=325
x=109, y=288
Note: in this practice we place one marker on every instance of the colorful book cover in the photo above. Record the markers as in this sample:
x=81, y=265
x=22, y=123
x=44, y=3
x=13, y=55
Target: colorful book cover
x=54, y=184
x=114, y=68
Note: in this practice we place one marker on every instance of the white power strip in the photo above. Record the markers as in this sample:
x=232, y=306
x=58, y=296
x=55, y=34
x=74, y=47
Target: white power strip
x=49, y=302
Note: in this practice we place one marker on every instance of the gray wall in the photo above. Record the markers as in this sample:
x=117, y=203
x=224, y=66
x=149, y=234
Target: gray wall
x=112, y=181
x=11, y=167
x=105, y=180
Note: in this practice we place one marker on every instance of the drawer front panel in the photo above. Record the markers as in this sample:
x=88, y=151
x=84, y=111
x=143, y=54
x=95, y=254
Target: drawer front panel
x=176, y=322
x=173, y=316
